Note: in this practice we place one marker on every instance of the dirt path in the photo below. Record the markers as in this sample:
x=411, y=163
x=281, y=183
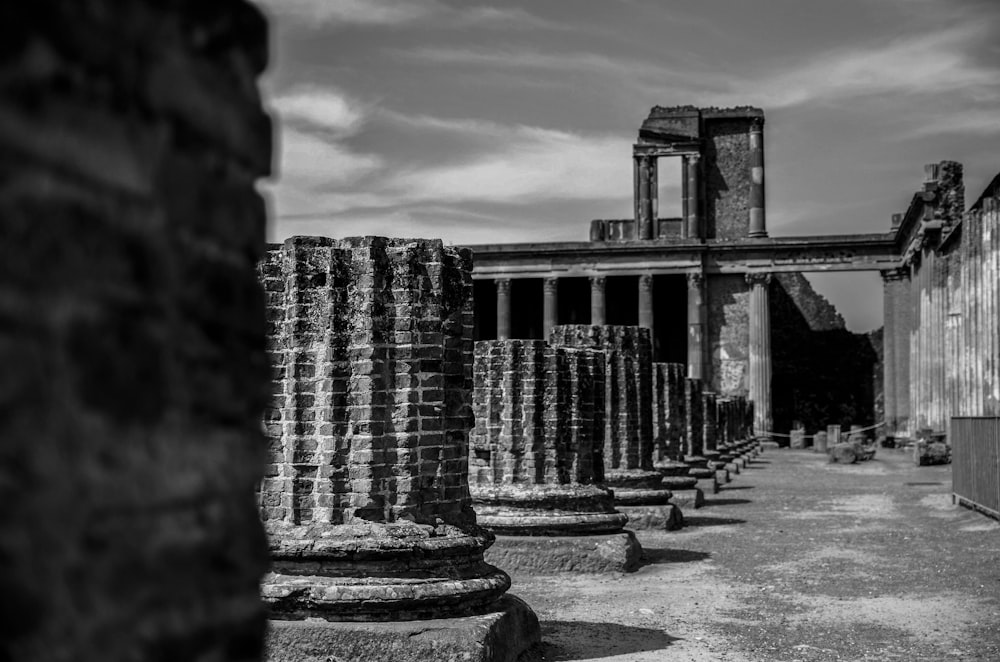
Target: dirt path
x=796, y=559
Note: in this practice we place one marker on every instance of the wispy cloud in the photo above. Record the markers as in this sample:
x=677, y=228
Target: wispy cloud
x=325, y=108
x=333, y=13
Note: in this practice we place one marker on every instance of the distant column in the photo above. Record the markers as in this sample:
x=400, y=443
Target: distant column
x=646, y=303
x=503, y=308
x=760, y=351
x=696, y=325
x=695, y=230
x=684, y=197
x=890, y=281
x=644, y=222
x=550, y=304
x=597, y=304
x=758, y=224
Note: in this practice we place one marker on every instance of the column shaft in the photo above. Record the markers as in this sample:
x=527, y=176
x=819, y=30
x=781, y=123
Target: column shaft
x=684, y=197
x=503, y=308
x=597, y=304
x=644, y=222
x=646, y=306
x=694, y=226
x=550, y=304
x=696, y=326
x=760, y=351
x=889, y=287
x=758, y=226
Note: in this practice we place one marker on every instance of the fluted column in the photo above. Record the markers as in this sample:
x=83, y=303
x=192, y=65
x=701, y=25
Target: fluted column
x=890, y=282
x=760, y=351
x=758, y=225
x=550, y=303
x=694, y=225
x=685, y=197
x=646, y=306
x=696, y=315
x=598, y=307
x=503, y=308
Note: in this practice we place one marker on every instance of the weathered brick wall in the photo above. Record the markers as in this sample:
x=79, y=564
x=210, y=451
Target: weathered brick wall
x=727, y=178
x=628, y=441
x=728, y=302
x=539, y=414
x=668, y=412
x=371, y=342
x=131, y=330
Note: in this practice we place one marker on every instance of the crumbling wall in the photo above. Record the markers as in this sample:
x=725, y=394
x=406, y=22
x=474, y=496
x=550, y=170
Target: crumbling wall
x=131, y=330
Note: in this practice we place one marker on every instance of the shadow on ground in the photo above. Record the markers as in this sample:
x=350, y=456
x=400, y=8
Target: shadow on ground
x=574, y=640
x=726, y=502
x=651, y=555
x=701, y=520
x=727, y=488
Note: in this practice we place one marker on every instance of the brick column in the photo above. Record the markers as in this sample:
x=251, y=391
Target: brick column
x=694, y=430
x=550, y=304
x=132, y=330
x=372, y=346
x=646, y=304
x=694, y=224
x=758, y=225
x=760, y=350
x=696, y=316
x=503, y=308
x=536, y=446
x=597, y=301
x=896, y=349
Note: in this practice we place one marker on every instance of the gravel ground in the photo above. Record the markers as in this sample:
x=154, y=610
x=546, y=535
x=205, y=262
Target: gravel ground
x=796, y=559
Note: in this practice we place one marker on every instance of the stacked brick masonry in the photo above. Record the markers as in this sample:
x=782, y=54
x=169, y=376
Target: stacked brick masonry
x=694, y=442
x=728, y=303
x=628, y=442
x=131, y=329
x=371, y=343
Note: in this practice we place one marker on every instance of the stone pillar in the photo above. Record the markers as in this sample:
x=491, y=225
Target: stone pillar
x=758, y=225
x=644, y=223
x=646, y=306
x=760, y=351
x=503, y=308
x=685, y=198
x=628, y=441
x=597, y=302
x=132, y=330
x=889, y=293
x=696, y=316
x=694, y=224
x=372, y=345
x=550, y=303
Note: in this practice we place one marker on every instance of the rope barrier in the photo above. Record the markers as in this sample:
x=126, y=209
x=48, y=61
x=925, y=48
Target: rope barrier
x=768, y=433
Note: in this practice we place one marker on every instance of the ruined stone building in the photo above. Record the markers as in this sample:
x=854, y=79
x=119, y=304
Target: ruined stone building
x=731, y=303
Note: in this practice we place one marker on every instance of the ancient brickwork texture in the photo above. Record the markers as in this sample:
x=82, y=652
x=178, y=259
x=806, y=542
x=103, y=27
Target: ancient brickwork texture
x=728, y=303
x=807, y=389
x=628, y=441
x=668, y=410
x=539, y=414
x=371, y=343
x=727, y=178
x=694, y=423
x=131, y=330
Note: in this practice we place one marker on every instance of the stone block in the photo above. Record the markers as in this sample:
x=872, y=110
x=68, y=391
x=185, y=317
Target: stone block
x=666, y=517
x=928, y=452
x=505, y=633
x=615, y=552
x=688, y=498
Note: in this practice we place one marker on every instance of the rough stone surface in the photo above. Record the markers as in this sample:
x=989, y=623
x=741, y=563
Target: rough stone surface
x=615, y=552
x=668, y=517
x=131, y=330
x=927, y=452
x=688, y=498
x=728, y=307
x=506, y=633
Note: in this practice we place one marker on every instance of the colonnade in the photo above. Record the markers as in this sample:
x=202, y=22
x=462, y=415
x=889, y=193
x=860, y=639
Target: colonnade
x=698, y=350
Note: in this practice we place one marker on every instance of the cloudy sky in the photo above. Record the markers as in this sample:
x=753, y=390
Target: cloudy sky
x=513, y=121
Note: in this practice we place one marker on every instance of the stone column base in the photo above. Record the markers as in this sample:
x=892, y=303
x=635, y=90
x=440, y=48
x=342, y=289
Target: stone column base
x=688, y=498
x=666, y=517
x=616, y=552
x=505, y=633
x=722, y=476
